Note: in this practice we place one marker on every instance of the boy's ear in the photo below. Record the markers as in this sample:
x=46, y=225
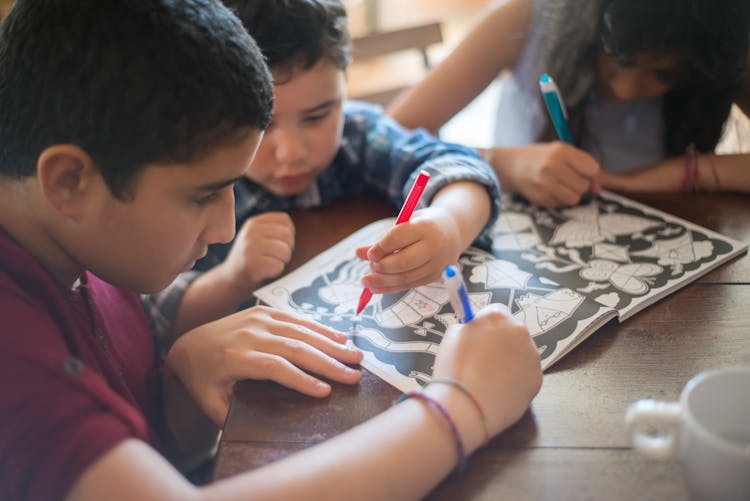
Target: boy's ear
x=66, y=175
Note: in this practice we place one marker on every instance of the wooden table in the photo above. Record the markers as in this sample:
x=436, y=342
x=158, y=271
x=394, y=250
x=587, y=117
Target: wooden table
x=572, y=443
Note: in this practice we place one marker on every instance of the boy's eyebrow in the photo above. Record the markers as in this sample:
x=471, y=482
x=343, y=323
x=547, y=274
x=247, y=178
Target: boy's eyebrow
x=218, y=185
x=325, y=104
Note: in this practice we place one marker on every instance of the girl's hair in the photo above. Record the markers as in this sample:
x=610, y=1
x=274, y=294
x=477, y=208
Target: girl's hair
x=708, y=38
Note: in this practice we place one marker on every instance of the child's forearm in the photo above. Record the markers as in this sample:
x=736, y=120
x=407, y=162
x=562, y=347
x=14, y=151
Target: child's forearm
x=211, y=296
x=502, y=163
x=724, y=172
x=469, y=204
x=713, y=173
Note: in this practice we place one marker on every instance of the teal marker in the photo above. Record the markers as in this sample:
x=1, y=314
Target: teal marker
x=556, y=107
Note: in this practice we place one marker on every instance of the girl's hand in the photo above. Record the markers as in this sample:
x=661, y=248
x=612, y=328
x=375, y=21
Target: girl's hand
x=493, y=357
x=547, y=174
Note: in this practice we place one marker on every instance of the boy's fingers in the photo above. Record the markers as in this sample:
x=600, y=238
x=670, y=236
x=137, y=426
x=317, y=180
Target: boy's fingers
x=313, y=339
x=316, y=359
x=382, y=283
x=396, y=238
x=361, y=252
x=280, y=249
x=295, y=321
x=406, y=260
x=271, y=367
x=279, y=370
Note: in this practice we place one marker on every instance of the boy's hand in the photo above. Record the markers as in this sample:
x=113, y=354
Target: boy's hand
x=261, y=250
x=264, y=344
x=413, y=253
x=548, y=174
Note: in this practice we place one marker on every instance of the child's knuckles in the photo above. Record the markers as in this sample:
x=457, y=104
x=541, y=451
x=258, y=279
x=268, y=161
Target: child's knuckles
x=270, y=366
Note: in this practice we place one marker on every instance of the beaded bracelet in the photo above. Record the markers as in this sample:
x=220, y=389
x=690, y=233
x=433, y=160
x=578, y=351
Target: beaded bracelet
x=465, y=391
x=433, y=403
x=690, y=174
x=712, y=163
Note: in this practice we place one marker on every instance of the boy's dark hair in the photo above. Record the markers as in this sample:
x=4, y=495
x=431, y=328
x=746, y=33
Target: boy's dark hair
x=132, y=82
x=708, y=38
x=296, y=34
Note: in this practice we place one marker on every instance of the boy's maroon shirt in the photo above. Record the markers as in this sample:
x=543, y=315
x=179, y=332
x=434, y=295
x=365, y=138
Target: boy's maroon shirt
x=78, y=375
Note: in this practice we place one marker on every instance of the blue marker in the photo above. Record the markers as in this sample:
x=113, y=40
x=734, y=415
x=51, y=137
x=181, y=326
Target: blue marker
x=458, y=294
x=556, y=107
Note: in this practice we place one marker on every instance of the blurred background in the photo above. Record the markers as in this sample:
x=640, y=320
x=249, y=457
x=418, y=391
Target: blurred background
x=397, y=41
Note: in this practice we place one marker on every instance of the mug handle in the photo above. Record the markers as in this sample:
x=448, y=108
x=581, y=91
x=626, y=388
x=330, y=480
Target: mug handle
x=649, y=413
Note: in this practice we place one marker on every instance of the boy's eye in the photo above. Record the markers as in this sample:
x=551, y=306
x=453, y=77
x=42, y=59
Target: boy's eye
x=206, y=199
x=318, y=117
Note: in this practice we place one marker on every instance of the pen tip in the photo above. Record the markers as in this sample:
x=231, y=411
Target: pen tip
x=364, y=298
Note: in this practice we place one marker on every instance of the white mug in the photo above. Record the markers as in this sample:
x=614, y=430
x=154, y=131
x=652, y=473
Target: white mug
x=708, y=431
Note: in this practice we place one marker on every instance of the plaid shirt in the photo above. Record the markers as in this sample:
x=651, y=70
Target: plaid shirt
x=376, y=156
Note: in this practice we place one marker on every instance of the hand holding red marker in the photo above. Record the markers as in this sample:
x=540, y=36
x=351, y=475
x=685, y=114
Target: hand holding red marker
x=415, y=193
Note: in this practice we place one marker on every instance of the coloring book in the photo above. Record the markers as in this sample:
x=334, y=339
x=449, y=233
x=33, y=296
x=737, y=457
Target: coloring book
x=563, y=272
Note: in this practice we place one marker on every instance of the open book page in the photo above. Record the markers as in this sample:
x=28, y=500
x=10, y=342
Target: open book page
x=615, y=251
x=563, y=273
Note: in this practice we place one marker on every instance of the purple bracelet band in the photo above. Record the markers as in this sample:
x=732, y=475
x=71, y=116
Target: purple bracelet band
x=440, y=408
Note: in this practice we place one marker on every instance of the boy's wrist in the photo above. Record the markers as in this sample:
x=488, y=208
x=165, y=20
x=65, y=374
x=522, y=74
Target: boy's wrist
x=223, y=276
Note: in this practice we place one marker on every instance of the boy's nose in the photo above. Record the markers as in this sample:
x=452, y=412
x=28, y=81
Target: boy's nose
x=289, y=145
x=220, y=228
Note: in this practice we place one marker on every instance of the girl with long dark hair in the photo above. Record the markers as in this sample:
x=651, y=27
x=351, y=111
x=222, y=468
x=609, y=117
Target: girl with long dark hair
x=648, y=84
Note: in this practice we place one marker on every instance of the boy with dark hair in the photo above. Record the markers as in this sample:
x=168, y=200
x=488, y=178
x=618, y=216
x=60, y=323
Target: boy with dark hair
x=320, y=148
x=124, y=125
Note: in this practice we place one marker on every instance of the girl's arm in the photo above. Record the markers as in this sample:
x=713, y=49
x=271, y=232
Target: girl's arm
x=714, y=172
x=490, y=356
x=492, y=46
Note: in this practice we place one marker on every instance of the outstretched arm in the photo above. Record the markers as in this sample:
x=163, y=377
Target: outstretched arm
x=714, y=172
x=492, y=46
x=493, y=355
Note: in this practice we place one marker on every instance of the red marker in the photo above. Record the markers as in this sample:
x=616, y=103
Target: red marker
x=403, y=216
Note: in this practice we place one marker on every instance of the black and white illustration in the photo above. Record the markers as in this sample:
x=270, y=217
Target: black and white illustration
x=564, y=273
x=614, y=251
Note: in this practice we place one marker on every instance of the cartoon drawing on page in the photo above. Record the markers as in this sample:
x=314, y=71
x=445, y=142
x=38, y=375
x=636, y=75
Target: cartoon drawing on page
x=563, y=273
